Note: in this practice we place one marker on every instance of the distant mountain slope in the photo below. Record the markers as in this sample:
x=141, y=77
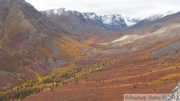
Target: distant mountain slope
x=160, y=37
x=151, y=18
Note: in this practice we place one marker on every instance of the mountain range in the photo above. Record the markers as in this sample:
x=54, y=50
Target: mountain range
x=114, y=22
x=68, y=55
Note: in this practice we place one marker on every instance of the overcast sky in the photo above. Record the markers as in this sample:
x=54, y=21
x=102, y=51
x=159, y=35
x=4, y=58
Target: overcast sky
x=131, y=8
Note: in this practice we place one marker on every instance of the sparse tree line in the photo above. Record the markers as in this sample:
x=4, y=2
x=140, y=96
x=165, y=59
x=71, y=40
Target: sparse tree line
x=21, y=92
x=34, y=86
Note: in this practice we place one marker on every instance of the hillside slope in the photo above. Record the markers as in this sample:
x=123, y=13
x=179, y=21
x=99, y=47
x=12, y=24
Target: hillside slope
x=31, y=44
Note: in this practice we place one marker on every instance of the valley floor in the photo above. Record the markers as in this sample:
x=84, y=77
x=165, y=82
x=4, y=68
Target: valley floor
x=109, y=84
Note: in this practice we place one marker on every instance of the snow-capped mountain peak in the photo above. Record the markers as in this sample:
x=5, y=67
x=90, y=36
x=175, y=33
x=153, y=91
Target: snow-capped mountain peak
x=131, y=21
x=90, y=16
x=160, y=15
x=114, y=19
x=61, y=11
x=55, y=11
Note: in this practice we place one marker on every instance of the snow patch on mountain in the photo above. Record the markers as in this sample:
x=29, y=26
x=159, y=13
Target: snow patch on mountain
x=131, y=21
x=92, y=16
x=56, y=11
x=61, y=11
x=114, y=19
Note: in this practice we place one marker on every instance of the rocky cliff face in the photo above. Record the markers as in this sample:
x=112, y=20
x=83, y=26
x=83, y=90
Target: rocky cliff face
x=175, y=95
